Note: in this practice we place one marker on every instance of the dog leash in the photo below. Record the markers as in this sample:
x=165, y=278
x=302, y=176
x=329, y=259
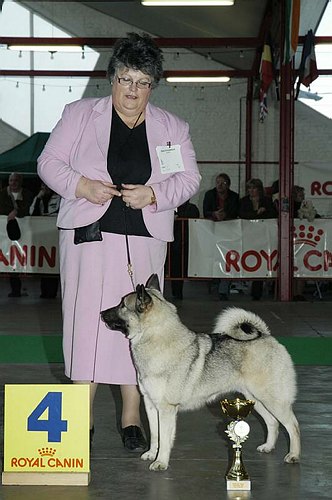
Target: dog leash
x=129, y=264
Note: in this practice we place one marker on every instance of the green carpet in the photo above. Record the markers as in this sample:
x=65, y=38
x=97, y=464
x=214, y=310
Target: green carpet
x=48, y=349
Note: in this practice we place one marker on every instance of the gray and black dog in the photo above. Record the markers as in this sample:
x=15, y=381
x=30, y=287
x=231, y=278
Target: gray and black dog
x=182, y=370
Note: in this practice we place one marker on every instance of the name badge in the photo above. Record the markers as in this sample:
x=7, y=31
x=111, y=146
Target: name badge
x=170, y=159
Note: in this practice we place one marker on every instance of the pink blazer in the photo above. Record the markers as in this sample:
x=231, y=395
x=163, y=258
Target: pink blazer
x=78, y=146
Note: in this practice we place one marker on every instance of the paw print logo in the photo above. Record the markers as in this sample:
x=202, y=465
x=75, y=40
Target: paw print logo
x=307, y=235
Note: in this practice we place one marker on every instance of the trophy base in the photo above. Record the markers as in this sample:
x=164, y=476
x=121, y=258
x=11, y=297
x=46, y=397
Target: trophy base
x=243, y=485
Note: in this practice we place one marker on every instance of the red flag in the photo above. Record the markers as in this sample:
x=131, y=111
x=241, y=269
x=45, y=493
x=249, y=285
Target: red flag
x=308, y=71
x=308, y=67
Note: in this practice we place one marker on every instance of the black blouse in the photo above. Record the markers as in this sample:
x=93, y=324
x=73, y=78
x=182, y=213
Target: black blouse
x=128, y=161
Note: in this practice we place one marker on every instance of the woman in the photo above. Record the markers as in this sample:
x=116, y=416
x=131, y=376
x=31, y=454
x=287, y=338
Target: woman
x=121, y=166
x=256, y=205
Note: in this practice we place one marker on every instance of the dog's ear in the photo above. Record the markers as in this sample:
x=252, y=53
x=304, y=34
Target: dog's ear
x=153, y=282
x=143, y=299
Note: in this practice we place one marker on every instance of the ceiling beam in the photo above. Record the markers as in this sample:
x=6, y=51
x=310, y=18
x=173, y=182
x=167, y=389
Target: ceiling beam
x=109, y=42
x=102, y=73
x=161, y=42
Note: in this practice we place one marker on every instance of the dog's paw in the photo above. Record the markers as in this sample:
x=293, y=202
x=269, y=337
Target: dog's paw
x=149, y=455
x=264, y=448
x=158, y=466
x=291, y=458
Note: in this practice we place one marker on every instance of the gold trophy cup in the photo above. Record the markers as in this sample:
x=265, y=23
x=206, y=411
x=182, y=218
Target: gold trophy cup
x=237, y=477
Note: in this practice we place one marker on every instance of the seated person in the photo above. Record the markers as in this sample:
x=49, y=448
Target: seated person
x=15, y=201
x=47, y=203
x=256, y=205
x=221, y=203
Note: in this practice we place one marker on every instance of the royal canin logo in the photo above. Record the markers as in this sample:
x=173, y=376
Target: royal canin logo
x=307, y=235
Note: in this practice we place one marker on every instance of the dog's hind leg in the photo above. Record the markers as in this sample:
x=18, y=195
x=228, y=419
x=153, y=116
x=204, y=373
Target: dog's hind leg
x=286, y=417
x=152, y=414
x=271, y=423
x=282, y=411
x=167, y=426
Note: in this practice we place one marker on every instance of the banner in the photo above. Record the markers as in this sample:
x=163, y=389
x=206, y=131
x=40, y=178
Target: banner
x=238, y=248
x=249, y=249
x=316, y=178
x=37, y=249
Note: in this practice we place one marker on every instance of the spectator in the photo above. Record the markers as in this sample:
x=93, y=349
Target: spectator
x=219, y=204
x=15, y=201
x=256, y=205
x=46, y=203
x=179, y=247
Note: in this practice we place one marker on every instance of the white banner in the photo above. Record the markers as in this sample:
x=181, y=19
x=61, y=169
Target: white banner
x=231, y=249
x=316, y=178
x=249, y=249
x=35, y=252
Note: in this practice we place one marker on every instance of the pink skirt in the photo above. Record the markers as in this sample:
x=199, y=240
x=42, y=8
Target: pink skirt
x=94, y=277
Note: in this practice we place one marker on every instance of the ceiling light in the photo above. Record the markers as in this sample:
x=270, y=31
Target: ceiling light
x=47, y=48
x=187, y=3
x=197, y=79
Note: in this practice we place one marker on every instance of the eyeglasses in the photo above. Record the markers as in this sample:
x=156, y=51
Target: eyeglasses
x=128, y=82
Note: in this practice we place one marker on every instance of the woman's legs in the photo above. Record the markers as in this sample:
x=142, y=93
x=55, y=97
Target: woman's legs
x=131, y=399
x=132, y=436
x=93, y=390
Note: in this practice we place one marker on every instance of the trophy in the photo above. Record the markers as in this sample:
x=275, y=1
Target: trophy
x=238, y=431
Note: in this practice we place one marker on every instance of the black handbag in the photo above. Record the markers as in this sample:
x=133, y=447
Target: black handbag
x=13, y=230
x=91, y=232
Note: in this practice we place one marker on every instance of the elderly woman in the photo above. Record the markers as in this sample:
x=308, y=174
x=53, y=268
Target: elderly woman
x=121, y=166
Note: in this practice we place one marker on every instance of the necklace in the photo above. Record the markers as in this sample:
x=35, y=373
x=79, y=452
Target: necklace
x=137, y=120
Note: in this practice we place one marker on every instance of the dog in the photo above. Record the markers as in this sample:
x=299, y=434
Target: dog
x=182, y=370
x=307, y=211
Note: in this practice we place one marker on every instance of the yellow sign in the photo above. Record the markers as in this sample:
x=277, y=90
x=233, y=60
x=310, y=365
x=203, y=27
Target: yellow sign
x=46, y=428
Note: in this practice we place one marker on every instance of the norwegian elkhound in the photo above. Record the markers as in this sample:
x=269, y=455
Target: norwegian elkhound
x=182, y=370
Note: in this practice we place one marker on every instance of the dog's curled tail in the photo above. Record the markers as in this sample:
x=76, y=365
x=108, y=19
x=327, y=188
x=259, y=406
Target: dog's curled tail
x=241, y=324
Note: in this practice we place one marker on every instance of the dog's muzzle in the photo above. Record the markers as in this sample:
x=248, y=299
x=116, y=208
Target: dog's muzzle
x=112, y=320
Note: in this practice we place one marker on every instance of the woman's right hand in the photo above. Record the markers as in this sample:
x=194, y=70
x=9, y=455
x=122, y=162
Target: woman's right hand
x=98, y=192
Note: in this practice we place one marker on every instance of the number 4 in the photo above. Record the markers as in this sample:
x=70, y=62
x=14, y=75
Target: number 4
x=53, y=424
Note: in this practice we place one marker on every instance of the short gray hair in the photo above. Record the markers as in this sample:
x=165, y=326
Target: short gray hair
x=138, y=52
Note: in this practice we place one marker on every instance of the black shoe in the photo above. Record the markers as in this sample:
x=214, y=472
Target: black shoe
x=133, y=439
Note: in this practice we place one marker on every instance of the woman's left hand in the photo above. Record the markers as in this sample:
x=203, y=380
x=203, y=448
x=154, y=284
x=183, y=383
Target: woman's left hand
x=136, y=196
